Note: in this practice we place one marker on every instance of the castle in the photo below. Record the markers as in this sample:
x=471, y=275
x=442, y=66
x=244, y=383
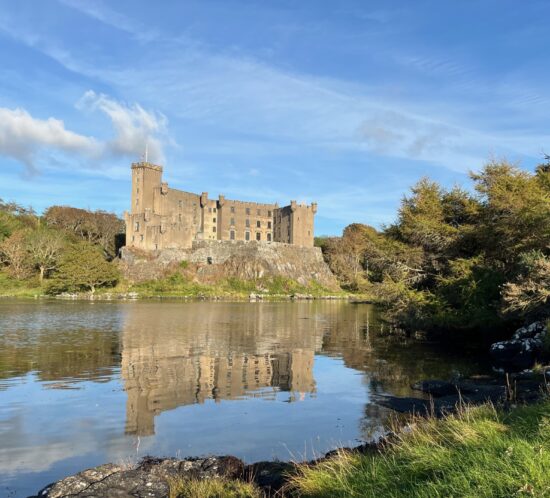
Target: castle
x=165, y=218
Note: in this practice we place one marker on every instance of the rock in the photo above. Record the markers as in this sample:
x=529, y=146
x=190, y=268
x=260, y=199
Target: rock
x=435, y=387
x=529, y=331
x=520, y=352
x=269, y=476
x=150, y=479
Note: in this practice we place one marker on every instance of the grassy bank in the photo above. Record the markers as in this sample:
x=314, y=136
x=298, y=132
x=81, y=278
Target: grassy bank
x=179, y=286
x=480, y=452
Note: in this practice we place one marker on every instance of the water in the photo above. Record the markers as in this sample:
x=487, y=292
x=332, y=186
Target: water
x=84, y=383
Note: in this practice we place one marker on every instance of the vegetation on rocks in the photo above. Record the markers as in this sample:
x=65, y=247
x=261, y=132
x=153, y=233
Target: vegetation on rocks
x=457, y=260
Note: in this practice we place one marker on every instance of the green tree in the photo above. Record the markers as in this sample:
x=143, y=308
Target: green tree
x=83, y=268
x=515, y=214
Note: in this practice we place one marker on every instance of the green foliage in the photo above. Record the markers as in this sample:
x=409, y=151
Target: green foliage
x=183, y=264
x=480, y=452
x=529, y=293
x=457, y=261
x=83, y=268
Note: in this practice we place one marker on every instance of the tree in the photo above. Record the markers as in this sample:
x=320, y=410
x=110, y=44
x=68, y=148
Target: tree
x=45, y=247
x=96, y=227
x=83, y=267
x=515, y=215
x=14, y=254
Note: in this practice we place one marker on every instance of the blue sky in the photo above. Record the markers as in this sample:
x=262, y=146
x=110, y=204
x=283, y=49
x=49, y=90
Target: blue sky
x=347, y=103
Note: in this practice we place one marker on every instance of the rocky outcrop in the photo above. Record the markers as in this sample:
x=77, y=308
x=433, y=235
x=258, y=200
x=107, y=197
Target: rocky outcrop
x=150, y=479
x=210, y=261
x=520, y=352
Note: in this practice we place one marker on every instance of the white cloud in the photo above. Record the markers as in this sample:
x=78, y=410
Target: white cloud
x=22, y=137
x=134, y=127
x=28, y=139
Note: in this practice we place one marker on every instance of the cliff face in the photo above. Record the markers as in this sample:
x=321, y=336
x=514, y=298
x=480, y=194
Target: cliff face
x=213, y=260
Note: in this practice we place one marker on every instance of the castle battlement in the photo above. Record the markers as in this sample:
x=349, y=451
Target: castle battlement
x=162, y=217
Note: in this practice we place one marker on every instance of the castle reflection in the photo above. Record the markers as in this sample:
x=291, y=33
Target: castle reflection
x=189, y=354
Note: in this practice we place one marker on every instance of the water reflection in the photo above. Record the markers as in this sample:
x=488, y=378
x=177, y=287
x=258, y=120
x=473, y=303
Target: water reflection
x=191, y=354
x=82, y=383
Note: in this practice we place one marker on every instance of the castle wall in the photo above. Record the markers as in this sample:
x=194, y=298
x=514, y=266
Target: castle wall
x=165, y=218
x=245, y=221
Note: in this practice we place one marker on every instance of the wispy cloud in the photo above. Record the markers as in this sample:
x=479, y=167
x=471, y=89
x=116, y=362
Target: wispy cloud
x=22, y=137
x=134, y=127
x=29, y=139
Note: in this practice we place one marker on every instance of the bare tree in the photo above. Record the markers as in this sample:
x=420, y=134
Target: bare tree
x=14, y=254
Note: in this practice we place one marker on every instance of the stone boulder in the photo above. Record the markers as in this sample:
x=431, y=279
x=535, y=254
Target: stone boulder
x=149, y=479
x=520, y=352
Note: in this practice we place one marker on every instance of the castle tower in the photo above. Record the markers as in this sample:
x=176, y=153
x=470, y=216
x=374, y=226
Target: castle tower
x=145, y=178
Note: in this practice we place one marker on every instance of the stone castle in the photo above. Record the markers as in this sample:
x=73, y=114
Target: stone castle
x=166, y=218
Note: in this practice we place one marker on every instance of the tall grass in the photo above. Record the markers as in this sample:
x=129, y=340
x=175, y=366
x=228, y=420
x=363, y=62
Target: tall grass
x=213, y=488
x=479, y=452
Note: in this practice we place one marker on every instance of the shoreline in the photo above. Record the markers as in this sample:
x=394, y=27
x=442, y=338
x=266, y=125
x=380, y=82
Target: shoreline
x=155, y=477
x=135, y=296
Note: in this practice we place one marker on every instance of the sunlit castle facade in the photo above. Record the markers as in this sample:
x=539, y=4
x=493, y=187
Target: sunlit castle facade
x=165, y=218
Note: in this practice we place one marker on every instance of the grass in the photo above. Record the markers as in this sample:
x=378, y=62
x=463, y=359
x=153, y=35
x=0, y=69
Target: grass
x=480, y=452
x=213, y=488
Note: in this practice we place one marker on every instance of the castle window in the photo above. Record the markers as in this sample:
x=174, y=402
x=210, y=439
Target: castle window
x=258, y=236
x=179, y=217
x=309, y=232
x=258, y=224
x=213, y=229
x=258, y=212
x=136, y=228
x=247, y=222
x=232, y=209
x=269, y=224
x=209, y=210
x=141, y=238
x=213, y=220
x=180, y=203
x=232, y=234
x=246, y=235
x=247, y=210
x=269, y=237
x=133, y=238
x=137, y=190
x=269, y=214
x=232, y=221
x=214, y=209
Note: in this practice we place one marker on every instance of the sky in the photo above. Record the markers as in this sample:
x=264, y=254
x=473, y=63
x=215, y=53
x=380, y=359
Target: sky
x=345, y=103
